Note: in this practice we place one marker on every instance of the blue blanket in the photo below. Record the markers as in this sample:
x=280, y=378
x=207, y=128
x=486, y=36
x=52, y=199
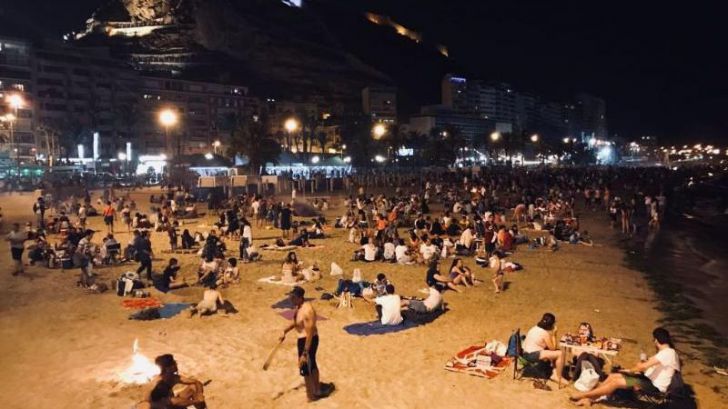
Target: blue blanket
x=170, y=310
x=411, y=320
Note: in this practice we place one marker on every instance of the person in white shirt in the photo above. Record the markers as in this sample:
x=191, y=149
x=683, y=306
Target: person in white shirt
x=427, y=250
x=370, y=251
x=389, y=250
x=401, y=253
x=391, y=307
x=429, y=304
x=541, y=345
x=654, y=374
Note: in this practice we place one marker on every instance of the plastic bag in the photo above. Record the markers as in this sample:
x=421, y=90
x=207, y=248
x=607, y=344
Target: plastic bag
x=336, y=270
x=588, y=378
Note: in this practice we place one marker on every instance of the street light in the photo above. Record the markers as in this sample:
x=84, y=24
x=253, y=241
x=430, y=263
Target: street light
x=495, y=136
x=566, y=140
x=15, y=101
x=291, y=126
x=209, y=156
x=216, y=145
x=168, y=118
x=315, y=159
x=534, y=138
x=379, y=130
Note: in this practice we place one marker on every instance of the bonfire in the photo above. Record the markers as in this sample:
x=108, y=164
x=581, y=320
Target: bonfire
x=141, y=370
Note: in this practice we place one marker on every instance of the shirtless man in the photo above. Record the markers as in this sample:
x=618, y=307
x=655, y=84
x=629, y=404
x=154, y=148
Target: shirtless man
x=170, y=390
x=304, y=321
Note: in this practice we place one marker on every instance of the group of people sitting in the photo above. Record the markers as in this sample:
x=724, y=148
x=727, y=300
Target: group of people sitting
x=651, y=374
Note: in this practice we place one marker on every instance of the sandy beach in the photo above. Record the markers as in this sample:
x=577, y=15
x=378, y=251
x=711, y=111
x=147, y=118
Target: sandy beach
x=64, y=348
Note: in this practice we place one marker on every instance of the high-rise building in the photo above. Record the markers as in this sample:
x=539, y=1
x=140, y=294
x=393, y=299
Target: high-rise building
x=380, y=103
x=206, y=113
x=82, y=92
x=16, y=99
x=473, y=128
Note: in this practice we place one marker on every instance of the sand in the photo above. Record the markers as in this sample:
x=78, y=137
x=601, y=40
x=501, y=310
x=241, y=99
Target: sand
x=64, y=348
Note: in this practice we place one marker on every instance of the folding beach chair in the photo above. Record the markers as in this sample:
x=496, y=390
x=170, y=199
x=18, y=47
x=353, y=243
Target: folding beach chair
x=528, y=369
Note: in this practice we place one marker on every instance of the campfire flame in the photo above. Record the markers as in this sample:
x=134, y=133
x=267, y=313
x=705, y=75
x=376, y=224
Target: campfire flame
x=141, y=371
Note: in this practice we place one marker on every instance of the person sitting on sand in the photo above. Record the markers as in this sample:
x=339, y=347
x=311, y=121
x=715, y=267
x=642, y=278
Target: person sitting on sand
x=168, y=281
x=290, y=270
x=460, y=274
x=401, y=253
x=170, y=390
x=187, y=240
x=231, y=274
x=427, y=250
x=437, y=280
x=541, y=345
x=211, y=298
x=208, y=271
x=370, y=252
x=389, y=307
x=652, y=375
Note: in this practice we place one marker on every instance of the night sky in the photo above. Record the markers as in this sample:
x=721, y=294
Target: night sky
x=662, y=70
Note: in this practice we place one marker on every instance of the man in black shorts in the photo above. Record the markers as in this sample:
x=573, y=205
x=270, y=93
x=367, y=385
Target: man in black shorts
x=304, y=321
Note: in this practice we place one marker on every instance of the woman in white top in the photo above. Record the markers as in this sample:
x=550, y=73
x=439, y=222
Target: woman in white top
x=541, y=345
x=654, y=374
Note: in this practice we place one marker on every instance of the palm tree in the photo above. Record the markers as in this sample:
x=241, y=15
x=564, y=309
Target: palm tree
x=250, y=138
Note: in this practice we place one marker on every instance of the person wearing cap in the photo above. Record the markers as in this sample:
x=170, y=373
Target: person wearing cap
x=304, y=322
x=170, y=390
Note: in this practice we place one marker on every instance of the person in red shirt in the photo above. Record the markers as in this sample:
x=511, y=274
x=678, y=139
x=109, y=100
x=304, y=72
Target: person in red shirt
x=109, y=217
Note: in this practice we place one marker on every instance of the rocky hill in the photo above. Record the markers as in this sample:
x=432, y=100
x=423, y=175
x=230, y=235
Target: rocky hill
x=323, y=48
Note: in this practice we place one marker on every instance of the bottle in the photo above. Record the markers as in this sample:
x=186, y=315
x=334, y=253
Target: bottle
x=643, y=356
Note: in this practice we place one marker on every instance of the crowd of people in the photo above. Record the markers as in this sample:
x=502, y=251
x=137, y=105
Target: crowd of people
x=485, y=219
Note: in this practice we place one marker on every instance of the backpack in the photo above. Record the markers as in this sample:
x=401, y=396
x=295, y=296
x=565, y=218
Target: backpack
x=513, y=341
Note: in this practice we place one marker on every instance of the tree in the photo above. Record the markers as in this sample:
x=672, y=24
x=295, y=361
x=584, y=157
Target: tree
x=443, y=145
x=250, y=138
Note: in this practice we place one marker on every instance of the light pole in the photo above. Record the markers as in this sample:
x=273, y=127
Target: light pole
x=494, y=138
x=15, y=101
x=291, y=126
x=168, y=118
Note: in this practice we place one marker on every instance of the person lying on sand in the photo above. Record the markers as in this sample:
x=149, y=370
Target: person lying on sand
x=170, y=390
x=429, y=304
x=652, y=375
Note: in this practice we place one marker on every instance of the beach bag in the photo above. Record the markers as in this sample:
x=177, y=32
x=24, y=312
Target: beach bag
x=336, y=270
x=588, y=378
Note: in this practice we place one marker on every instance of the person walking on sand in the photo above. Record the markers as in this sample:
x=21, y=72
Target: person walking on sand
x=109, y=217
x=17, y=239
x=304, y=322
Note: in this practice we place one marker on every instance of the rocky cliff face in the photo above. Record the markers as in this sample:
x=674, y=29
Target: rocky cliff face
x=271, y=47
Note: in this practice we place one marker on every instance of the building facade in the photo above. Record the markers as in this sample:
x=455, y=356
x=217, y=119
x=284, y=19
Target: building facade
x=380, y=103
x=17, y=116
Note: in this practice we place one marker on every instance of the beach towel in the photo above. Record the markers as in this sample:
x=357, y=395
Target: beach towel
x=278, y=248
x=476, y=361
x=288, y=315
x=411, y=320
x=155, y=313
x=336, y=270
x=274, y=280
x=140, y=303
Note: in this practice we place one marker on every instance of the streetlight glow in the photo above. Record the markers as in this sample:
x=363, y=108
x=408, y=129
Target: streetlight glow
x=566, y=140
x=167, y=117
x=534, y=138
x=315, y=159
x=15, y=100
x=291, y=124
x=208, y=156
x=379, y=130
x=379, y=158
x=495, y=136
x=122, y=156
